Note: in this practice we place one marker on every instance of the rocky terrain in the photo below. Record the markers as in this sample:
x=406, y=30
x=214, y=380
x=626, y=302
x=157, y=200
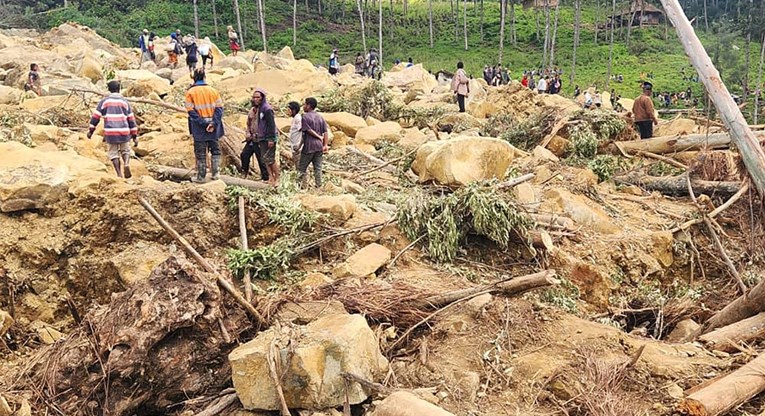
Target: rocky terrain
x=523, y=258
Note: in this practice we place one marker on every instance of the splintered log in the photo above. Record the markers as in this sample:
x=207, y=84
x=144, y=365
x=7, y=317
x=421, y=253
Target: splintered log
x=746, y=305
x=728, y=392
x=678, y=185
x=742, y=136
x=181, y=174
x=510, y=287
x=673, y=144
x=728, y=338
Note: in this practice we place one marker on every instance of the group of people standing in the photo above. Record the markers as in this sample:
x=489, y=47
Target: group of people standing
x=368, y=65
x=496, y=75
x=547, y=84
x=177, y=46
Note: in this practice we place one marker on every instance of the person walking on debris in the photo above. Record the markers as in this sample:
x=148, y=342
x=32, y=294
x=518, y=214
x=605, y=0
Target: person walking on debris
x=173, y=49
x=643, y=112
x=192, y=57
x=315, y=141
x=205, y=109
x=359, y=64
x=461, y=85
x=205, y=51
x=143, y=43
x=152, y=54
x=261, y=138
x=296, y=134
x=334, y=63
x=33, y=80
x=119, y=128
x=233, y=40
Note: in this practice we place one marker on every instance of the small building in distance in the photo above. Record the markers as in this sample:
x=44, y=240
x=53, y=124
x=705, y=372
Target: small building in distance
x=641, y=13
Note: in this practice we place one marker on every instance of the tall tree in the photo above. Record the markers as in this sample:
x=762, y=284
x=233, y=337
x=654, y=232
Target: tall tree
x=215, y=17
x=430, y=20
x=363, y=31
x=238, y=22
x=597, y=17
x=758, y=88
x=262, y=20
x=577, y=25
x=464, y=21
x=379, y=31
x=196, y=20
x=611, y=42
x=706, y=18
x=554, y=36
x=481, y=20
x=513, y=37
x=294, y=22
x=502, y=12
x=547, y=34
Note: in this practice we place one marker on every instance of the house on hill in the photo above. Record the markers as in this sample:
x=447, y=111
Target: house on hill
x=540, y=4
x=641, y=13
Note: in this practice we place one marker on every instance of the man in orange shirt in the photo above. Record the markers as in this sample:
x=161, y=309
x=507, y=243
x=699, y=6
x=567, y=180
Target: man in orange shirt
x=643, y=112
x=205, y=109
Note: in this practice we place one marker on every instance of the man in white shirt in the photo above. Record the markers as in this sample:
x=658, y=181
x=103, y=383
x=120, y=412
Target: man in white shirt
x=296, y=134
x=542, y=85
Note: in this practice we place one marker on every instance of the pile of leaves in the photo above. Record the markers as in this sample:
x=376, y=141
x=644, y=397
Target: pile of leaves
x=525, y=134
x=592, y=128
x=445, y=220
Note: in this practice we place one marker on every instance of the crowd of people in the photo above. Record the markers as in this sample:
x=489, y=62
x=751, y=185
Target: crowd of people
x=179, y=45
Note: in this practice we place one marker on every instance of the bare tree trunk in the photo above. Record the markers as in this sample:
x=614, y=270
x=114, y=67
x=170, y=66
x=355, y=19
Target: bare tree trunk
x=597, y=17
x=611, y=45
x=238, y=22
x=758, y=89
x=554, y=36
x=455, y=18
x=215, y=18
x=502, y=10
x=294, y=22
x=363, y=31
x=262, y=19
x=482, y=20
x=243, y=34
x=379, y=31
x=196, y=20
x=748, y=146
x=629, y=26
x=536, y=15
x=430, y=20
x=706, y=19
x=513, y=38
x=577, y=23
x=464, y=20
x=547, y=34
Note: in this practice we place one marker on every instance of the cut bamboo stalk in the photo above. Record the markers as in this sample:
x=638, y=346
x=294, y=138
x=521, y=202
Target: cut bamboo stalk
x=728, y=392
x=244, y=246
x=180, y=174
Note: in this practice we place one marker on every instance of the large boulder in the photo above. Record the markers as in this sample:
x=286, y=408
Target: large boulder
x=513, y=99
x=462, y=160
x=31, y=179
x=286, y=53
x=347, y=122
x=278, y=83
x=313, y=362
x=579, y=208
x=386, y=131
x=364, y=262
x=90, y=68
x=413, y=78
x=678, y=126
x=339, y=207
x=404, y=403
x=145, y=87
x=235, y=62
x=10, y=95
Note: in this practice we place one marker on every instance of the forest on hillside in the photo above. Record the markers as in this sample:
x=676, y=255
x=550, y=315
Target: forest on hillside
x=574, y=35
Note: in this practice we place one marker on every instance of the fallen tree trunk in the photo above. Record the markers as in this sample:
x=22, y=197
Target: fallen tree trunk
x=747, y=143
x=510, y=287
x=673, y=144
x=181, y=174
x=728, y=338
x=678, y=186
x=728, y=392
x=749, y=304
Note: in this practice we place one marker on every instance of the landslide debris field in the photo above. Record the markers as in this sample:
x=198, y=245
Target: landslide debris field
x=523, y=258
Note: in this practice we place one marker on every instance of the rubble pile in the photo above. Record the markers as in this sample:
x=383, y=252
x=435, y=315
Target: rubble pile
x=505, y=260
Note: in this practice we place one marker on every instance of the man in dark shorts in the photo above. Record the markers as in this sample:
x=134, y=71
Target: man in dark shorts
x=315, y=141
x=643, y=112
x=261, y=138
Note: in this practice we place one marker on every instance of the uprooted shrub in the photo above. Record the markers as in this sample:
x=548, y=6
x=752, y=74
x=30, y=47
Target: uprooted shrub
x=445, y=220
x=525, y=134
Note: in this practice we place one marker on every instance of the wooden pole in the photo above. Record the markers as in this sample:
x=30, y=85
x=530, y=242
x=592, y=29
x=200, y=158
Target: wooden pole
x=728, y=392
x=244, y=244
x=676, y=185
x=751, y=152
x=744, y=306
x=225, y=284
x=728, y=338
x=186, y=174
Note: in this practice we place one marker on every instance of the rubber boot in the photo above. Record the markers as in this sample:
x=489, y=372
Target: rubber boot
x=201, y=171
x=126, y=166
x=116, y=164
x=215, y=167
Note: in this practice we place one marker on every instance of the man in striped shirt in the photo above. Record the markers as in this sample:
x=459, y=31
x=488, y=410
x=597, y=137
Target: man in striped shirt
x=119, y=128
x=205, y=108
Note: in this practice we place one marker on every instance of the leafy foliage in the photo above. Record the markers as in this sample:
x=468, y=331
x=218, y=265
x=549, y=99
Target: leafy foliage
x=528, y=133
x=280, y=208
x=263, y=262
x=448, y=218
x=604, y=166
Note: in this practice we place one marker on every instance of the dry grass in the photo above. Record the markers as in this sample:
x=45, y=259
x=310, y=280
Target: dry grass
x=714, y=166
x=600, y=390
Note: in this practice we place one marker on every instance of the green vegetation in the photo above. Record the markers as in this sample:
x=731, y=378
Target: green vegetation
x=445, y=220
